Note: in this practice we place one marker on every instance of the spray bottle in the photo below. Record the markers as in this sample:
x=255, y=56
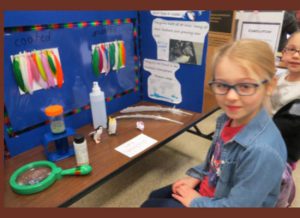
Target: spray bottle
x=98, y=107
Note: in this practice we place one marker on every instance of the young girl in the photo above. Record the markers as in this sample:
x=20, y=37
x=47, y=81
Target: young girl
x=286, y=96
x=246, y=160
x=288, y=83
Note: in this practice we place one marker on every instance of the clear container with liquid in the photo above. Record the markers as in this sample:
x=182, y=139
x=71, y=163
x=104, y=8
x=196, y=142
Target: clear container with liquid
x=55, y=114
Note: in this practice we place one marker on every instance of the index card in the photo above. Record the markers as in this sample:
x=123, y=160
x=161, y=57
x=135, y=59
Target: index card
x=135, y=145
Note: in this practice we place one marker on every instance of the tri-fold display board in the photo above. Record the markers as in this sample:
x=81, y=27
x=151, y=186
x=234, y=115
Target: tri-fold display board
x=53, y=57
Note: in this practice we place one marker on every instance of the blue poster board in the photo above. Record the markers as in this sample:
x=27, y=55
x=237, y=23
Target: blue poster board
x=73, y=33
x=190, y=76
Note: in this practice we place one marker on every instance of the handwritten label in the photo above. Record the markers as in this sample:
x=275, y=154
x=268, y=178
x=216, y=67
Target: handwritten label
x=38, y=37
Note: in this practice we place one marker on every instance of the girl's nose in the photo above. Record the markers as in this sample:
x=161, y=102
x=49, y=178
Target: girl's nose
x=232, y=94
x=297, y=54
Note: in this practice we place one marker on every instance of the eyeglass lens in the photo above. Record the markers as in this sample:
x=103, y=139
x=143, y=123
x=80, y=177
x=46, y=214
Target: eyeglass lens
x=292, y=51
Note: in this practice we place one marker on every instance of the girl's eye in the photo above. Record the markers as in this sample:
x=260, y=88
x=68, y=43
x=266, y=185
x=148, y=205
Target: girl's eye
x=221, y=85
x=245, y=86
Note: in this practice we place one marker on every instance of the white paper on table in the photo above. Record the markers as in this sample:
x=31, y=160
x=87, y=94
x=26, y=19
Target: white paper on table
x=135, y=145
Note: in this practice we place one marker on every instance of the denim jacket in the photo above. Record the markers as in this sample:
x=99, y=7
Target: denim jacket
x=252, y=164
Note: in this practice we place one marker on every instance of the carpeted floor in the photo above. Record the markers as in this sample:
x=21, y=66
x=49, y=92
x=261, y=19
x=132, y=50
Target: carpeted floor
x=162, y=167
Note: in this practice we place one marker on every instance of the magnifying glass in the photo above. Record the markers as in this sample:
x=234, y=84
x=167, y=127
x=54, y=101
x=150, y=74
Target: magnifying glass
x=37, y=176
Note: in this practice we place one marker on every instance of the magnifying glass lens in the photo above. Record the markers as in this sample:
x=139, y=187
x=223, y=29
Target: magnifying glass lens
x=33, y=175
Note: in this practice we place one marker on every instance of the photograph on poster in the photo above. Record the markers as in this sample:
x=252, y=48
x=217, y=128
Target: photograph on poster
x=184, y=51
x=179, y=41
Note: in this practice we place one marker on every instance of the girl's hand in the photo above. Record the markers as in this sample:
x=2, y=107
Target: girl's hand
x=185, y=195
x=188, y=181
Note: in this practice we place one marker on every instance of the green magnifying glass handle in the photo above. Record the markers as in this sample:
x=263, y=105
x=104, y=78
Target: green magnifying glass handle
x=37, y=176
x=77, y=171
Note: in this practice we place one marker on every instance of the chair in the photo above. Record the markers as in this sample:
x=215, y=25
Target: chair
x=287, y=120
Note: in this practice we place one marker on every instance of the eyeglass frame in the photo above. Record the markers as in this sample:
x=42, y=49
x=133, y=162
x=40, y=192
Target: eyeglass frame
x=234, y=87
x=291, y=51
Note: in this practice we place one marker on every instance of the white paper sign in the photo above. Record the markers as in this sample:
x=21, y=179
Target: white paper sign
x=162, y=83
x=177, y=14
x=262, y=31
x=135, y=145
x=190, y=34
x=261, y=25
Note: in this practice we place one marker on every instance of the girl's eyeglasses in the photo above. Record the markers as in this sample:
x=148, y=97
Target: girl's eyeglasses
x=243, y=89
x=291, y=51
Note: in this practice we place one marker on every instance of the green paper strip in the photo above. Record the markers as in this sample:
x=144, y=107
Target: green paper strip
x=112, y=51
x=51, y=63
x=95, y=62
x=18, y=74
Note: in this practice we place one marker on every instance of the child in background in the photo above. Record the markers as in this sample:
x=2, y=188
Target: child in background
x=288, y=90
x=245, y=163
x=288, y=83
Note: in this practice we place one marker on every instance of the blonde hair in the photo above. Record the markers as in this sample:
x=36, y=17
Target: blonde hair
x=253, y=55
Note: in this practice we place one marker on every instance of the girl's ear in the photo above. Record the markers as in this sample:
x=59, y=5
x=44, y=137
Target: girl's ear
x=271, y=86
